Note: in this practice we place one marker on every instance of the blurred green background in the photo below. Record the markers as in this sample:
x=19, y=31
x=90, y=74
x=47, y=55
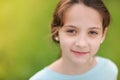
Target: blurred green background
x=25, y=43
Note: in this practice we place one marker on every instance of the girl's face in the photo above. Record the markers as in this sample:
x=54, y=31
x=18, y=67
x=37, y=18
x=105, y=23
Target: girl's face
x=81, y=34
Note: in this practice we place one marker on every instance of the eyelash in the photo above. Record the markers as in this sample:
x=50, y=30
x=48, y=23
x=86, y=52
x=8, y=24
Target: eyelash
x=71, y=31
x=93, y=33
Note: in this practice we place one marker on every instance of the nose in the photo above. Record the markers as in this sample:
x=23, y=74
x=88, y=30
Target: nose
x=81, y=41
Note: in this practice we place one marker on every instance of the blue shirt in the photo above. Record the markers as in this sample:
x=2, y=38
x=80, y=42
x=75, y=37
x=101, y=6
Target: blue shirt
x=104, y=70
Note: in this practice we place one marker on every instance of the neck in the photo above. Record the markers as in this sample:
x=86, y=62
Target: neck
x=66, y=67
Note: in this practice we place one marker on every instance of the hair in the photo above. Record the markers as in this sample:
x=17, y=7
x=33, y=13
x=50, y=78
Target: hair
x=64, y=5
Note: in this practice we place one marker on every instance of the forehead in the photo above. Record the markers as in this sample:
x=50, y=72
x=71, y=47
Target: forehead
x=81, y=15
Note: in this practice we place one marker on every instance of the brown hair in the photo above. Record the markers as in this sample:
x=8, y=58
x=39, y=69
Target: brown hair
x=63, y=5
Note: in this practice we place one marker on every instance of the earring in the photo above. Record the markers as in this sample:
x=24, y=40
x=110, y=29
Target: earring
x=101, y=41
x=56, y=38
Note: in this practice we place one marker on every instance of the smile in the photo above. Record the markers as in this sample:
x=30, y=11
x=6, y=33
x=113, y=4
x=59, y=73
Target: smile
x=78, y=53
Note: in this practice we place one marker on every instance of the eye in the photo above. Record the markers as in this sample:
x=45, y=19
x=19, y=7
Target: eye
x=71, y=31
x=93, y=33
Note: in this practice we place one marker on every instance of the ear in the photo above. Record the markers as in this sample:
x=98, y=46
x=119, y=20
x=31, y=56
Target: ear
x=104, y=35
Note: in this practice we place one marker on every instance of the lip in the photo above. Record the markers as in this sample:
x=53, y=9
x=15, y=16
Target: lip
x=79, y=53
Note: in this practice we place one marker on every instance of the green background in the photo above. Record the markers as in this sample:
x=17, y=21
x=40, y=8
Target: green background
x=25, y=43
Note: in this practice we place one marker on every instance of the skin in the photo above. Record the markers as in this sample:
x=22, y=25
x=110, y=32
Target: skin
x=80, y=38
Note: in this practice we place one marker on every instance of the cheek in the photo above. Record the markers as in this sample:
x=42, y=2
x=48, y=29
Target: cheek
x=65, y=42
x=64, y=46
x=95, y=46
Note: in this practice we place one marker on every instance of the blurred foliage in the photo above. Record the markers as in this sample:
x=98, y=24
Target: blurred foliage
x=25, y=44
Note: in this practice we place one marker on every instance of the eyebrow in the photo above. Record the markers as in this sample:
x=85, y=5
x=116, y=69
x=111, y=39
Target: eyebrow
x=73, y=26
x=95, y=28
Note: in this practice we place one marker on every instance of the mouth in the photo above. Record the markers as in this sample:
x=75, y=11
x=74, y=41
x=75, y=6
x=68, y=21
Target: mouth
x=79, y=53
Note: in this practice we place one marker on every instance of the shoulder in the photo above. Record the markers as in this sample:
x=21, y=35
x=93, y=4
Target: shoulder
x=41, y=75
x=108, y=65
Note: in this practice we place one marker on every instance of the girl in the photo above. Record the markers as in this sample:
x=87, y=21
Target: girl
x=79, y=27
